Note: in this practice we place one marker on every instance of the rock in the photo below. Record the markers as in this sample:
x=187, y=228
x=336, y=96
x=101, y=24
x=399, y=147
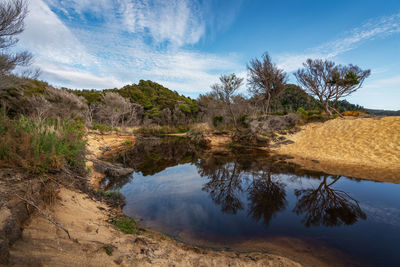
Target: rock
x=111, y=169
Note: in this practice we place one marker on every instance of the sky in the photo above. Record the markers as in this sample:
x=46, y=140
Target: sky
x=186, y=45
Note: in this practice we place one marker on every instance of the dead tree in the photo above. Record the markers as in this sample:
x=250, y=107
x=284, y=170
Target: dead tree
x=266, y=81
x=226, y=90
x=330, y=82
x=12, y=15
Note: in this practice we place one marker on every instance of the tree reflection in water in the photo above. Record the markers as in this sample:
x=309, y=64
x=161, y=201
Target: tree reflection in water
x=266, y=197
x=225, y=186
x=328, y=206
x=233, y=178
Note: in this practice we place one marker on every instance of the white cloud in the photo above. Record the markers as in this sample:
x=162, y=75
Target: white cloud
x=104, y=55
x=371, y=30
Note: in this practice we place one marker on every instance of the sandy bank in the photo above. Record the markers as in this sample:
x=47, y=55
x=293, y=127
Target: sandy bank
x=366, y=148
x=43, y=244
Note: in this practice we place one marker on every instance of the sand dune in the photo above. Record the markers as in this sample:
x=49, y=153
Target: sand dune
x=357, y=147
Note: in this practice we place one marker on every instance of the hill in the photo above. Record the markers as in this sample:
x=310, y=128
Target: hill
x=153, y=97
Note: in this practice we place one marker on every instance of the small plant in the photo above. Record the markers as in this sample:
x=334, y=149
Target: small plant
x=302, y=111
x=125, y=224
x=335, y=116
x=108, y=250
x=230, y=145
x=113, y=197
x=127, y=142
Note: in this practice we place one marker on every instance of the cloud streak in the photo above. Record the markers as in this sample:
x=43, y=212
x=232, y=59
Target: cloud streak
x=373, y=29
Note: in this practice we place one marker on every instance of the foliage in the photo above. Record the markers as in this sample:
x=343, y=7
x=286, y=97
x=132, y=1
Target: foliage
x=40, y=147
x=243, y=120
x=125, y=224
x=184, y=108
x=108, y=250
x=152, y=96
x=266, y=81
x=113, y=197
x=226, y=90
x=330, y=82
x=217, y=120
x=102, y=128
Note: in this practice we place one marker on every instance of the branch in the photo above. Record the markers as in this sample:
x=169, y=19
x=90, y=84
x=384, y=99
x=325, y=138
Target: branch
x=44, y=215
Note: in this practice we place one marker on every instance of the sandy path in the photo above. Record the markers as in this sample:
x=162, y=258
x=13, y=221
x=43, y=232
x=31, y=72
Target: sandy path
x=357, y=147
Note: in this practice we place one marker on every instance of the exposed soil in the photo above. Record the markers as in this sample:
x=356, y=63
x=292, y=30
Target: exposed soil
x=367, y=148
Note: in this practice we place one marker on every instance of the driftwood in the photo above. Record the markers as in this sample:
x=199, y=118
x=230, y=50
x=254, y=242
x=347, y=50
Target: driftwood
x=44, y=215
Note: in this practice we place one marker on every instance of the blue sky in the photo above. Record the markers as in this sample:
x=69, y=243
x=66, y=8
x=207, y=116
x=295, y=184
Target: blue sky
x=185, y=45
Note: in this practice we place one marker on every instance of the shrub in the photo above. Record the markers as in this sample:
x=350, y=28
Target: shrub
x=243, y=121
x=41, y=146
x=125, y=224
x=302, y=111
x=102, y=128
x=354, y=113
x=217, y=120
x=184, y=108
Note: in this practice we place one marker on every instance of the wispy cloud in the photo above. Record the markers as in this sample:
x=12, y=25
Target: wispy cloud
x=373, y=29
x=77, y=46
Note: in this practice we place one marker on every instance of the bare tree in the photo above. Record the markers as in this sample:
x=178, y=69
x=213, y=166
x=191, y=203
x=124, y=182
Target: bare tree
x=12, y=15
x=330, y=82
x=266, y=80
x=226, y=90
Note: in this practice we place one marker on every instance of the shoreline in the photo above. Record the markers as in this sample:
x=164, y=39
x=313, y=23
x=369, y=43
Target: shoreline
x=96, y=242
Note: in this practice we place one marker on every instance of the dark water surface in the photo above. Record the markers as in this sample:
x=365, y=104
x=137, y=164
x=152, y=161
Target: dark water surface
x=203, y=198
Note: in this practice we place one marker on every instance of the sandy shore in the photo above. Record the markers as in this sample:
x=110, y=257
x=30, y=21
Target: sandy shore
x=43, y=244
x=367, y=148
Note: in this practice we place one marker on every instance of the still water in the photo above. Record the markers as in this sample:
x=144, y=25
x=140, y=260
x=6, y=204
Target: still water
x=204, y=199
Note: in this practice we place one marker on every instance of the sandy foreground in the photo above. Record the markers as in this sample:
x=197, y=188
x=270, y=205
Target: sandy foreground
x=367, y=148
x=43, y=244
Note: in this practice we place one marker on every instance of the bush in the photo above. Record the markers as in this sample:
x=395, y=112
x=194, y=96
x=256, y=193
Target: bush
x=354, y=113
x=243, y=120
x=184, y=108
x=125, y=224
x=102, y=128
x=41, y=146
x=217, y=120
x=302, y=111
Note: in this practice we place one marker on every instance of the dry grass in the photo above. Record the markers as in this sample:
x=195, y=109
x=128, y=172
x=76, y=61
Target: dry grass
x=359, y=147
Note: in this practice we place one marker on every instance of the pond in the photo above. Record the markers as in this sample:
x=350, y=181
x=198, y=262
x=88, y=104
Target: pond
x=245, y=197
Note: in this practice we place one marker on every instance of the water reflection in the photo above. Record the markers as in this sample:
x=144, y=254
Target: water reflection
x=326, y=205
x=251, y=182
x=266, y=196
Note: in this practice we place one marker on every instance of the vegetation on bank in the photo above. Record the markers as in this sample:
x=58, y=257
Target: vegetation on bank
x=40, y=147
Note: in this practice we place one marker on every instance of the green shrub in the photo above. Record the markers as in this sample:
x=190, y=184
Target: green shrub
x=217, y=120
x=184, y=108
x=302, y=111
x=242, y=120
x=41, y=146
x=125, y=224
x=102, y=128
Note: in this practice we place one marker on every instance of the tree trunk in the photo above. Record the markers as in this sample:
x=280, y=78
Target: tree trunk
x=268, y=103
